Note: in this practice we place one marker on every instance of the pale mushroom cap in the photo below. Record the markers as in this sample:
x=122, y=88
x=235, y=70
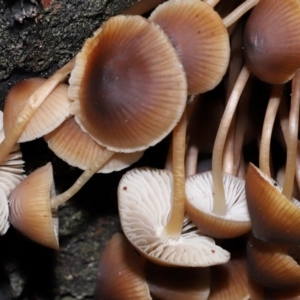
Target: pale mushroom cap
x=128, y=85
x=200, y=38
x=199, y=205
x=30, y=210
x=120, y=272
x=145, y=197
x=178, y=283
x=274, y=218
x=78, y=149
x=52, y=112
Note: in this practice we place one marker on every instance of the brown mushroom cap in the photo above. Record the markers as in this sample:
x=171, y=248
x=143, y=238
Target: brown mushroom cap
x=53, y=111
x=272, y=40
x=128, y=85
x=78, y=149
x=178, y=283
x=274, y=218
x=145, y=202
x=199, y=205
x=233, y=281
x=30, y=210
x=120, y=272
x=200, y=38
x=271, y=265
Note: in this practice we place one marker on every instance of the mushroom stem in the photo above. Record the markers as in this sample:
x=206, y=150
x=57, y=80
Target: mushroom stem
x=175, y=222
x=238, y=12
x=33, y=103
x=191, y=160
x=264, y=153
x=293, y=139
x=219, y=206
x=80, y=182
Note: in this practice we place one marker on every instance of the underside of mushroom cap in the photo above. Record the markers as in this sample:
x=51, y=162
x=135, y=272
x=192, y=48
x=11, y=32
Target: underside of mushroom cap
x=128, y=85
x=200, y=38
x=199, y=205
x=78, y=149
x=145, y=203
x=4, y=212
x=53, y=111
x=30, y=210
x=274, y=218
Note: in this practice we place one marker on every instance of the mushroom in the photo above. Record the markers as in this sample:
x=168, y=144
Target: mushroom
x=30, y=210
x=52, y=112
x=120, y=273
x=78, y=149
x=178, y=283
x=134, y=125
x=33, y=103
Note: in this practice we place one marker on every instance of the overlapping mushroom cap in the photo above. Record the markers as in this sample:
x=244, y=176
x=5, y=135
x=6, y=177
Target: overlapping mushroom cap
x=274, y=217
x=272, y=40
x=53, y=111
x=145, y=197
x=200, y=38
x=128, y=85
x=78, y=149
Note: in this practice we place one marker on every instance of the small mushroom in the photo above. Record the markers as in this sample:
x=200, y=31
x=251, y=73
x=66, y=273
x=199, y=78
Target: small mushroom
x=30, y=210
x=52, y=112
x=120, y=272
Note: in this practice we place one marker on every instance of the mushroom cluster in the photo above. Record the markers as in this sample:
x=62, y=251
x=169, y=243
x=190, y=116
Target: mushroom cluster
x=214, y=224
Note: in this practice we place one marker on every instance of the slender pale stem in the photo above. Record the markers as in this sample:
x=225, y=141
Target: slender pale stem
x=219, y=207
x=240, y=128
x=191, y=160
x=80, y=182
x=264, y=152
x=234, y=69
x=293, y=139
x=33, y=103
x=239, y=12
x=175, y=222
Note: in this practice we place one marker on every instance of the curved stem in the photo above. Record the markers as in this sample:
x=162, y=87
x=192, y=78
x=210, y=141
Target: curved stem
x=234, y=69
x=264, y=153
x=238, y=12
x=175, y=222
x=219, y=207
x=80, y=182
x=33, y=103
x=293, y=139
